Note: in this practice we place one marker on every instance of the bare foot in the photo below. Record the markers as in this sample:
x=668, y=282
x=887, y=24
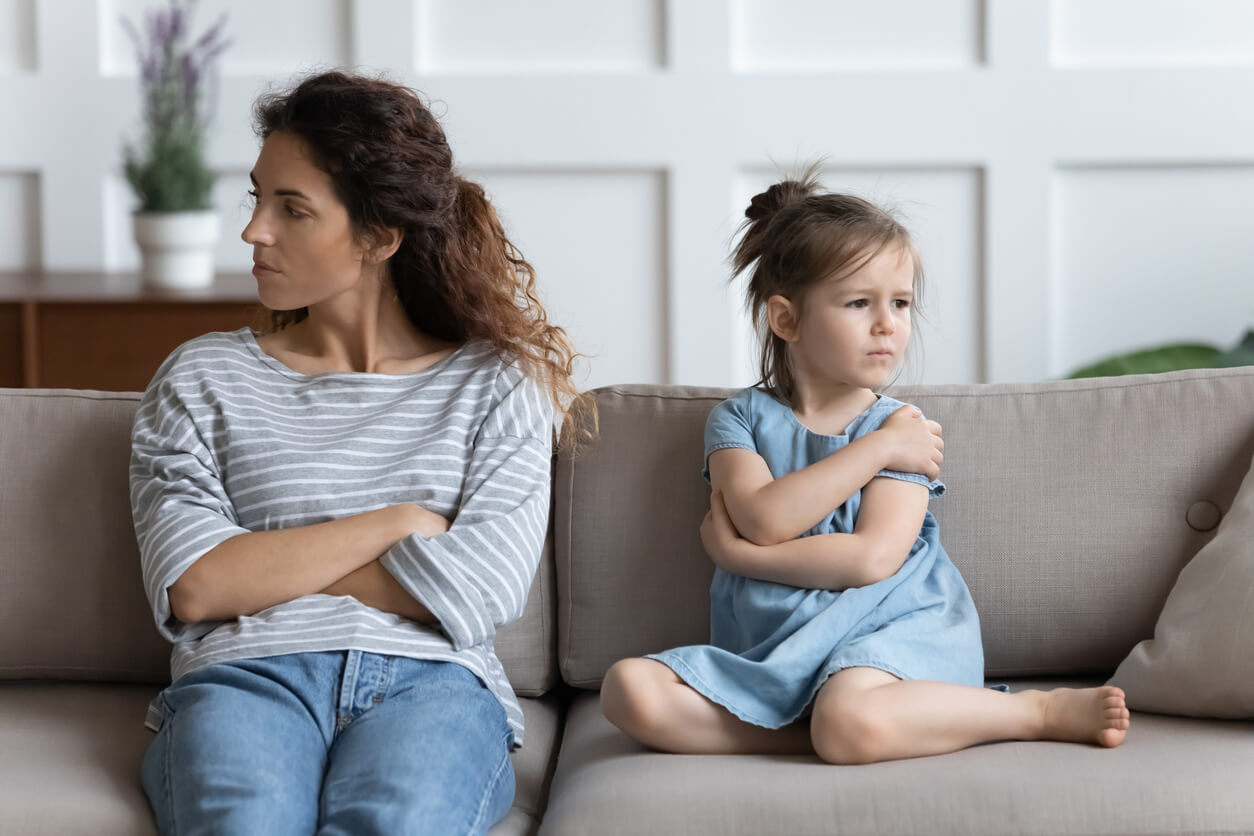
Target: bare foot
x=1086, y=715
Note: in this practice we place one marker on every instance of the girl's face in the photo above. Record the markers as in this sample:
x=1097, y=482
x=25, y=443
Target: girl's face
x=304, y=249
x=853, y=331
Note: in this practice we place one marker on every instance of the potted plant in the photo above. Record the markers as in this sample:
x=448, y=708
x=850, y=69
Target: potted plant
x=175, y=225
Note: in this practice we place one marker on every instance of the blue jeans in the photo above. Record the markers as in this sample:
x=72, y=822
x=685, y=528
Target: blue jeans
x=330, y=743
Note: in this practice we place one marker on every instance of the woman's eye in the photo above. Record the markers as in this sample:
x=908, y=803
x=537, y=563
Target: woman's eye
x=294, y=213
x=253, y=195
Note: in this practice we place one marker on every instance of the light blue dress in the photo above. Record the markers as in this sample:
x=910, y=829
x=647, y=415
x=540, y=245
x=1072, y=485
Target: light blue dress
x=771, y=645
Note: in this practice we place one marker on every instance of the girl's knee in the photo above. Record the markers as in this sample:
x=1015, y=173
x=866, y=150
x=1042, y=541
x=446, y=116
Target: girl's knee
x=631, y=698
x=849, y=731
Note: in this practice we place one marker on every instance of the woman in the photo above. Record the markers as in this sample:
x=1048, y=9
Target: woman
x=335, y=517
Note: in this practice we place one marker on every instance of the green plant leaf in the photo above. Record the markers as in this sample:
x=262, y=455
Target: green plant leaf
x=1167, y=358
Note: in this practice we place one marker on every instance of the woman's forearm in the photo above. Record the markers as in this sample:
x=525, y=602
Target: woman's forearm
x=375, y=587
x=250, y=572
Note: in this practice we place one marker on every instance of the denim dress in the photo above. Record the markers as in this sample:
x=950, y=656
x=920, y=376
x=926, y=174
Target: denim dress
x=772, y=646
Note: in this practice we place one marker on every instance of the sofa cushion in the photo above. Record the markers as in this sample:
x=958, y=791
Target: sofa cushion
x=72, y=753
x=1067, y=513
x=1172, y=775
x=1200, y=662
x=72, y=603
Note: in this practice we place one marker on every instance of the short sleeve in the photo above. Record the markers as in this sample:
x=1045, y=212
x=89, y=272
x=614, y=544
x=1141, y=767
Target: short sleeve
x=934, y=487
x=729, y=424
x=885, y=407
x=180, y=507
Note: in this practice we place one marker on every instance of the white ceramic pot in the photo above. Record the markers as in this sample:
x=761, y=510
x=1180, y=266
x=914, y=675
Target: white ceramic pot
x=177, y=247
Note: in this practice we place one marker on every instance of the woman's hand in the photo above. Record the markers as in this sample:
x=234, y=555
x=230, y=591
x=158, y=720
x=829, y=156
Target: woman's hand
x=421, y=521
x=912, y=443
x=722, y=541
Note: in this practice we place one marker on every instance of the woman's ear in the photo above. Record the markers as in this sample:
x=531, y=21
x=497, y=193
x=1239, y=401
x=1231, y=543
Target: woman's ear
x=783, y=318
x=381, y=244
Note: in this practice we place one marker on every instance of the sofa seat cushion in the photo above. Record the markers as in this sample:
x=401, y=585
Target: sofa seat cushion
x=72, y=753
x=1173, y=775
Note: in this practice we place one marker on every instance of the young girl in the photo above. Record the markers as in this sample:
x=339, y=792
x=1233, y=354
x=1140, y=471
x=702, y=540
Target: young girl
x=833, y=600
x=335, y=517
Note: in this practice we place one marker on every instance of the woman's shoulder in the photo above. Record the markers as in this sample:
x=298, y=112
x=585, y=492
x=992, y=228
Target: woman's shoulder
x=209, y=349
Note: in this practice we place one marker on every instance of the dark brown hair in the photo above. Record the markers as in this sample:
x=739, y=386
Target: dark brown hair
x=456, y=274
x=796, y=235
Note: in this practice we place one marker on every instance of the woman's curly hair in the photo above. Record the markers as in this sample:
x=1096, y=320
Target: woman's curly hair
x=456, y=274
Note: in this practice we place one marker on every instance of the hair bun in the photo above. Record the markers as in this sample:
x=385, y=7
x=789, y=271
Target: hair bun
x=778, y=196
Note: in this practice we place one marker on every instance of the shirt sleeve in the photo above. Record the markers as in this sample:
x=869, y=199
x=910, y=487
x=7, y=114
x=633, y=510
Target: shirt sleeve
x=934, y=487
x=180, y=508
x=475, y=576
x=729, y=425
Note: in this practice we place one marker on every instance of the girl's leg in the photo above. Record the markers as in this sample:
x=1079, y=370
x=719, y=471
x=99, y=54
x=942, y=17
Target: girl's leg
x=425, y=750
x=649, y=702
x=865, y=715
x=238, y=752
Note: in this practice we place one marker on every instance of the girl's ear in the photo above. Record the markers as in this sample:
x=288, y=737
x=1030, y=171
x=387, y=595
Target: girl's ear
x=783, y=318
x=381, y=244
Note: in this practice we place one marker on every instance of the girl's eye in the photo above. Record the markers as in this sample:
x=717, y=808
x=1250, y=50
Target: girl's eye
x=857, y=303
x=902, y=303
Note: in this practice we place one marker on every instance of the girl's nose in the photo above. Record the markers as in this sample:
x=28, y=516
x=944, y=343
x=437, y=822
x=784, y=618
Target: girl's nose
x=884, y=322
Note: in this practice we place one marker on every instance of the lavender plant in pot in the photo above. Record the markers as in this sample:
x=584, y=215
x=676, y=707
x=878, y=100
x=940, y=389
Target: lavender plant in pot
x=175, y=225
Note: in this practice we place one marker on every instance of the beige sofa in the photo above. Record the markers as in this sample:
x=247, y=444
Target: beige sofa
x=1068, y=512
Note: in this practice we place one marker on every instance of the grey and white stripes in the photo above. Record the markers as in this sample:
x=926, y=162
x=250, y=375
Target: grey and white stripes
x=229, y=440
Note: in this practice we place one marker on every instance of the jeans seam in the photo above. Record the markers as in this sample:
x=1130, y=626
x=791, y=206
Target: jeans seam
x=166, y=781
x=490, y=793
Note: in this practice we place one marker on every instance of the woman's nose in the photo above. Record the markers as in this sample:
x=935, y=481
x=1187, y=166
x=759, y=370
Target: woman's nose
x=257, y=231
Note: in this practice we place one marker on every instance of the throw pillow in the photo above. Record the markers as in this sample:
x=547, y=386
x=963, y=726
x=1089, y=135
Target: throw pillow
x=1200, y=662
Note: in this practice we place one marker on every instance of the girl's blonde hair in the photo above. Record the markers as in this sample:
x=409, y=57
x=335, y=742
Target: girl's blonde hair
x=796, y=235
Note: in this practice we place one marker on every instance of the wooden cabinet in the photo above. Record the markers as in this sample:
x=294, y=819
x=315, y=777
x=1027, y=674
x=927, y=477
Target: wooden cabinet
x=106, y=330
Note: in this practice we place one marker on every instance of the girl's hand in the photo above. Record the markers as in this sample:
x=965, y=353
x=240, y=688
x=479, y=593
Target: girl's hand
x=722, y=541
x=913, y=444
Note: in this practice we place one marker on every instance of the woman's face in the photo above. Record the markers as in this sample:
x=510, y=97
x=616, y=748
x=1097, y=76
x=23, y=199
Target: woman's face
x=304, y=251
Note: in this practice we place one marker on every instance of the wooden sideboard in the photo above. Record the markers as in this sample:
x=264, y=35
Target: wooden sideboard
x=107, y=330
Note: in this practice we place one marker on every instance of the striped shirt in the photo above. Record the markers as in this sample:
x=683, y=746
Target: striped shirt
x=228, y=440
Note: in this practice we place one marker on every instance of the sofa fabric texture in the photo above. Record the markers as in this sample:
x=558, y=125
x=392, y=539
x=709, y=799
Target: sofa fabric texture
x=1071, y=509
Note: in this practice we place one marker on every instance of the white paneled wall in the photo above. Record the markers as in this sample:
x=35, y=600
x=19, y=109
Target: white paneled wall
x=1079, y=173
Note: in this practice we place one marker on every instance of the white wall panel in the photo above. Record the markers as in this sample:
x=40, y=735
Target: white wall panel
x=807, y=35
x=17, y=36
x=597, y=242
x=942, y=208
x=19, y=221
x=277, y=37
x=229, y=198
x=483, y=36
x=1163, y=32
x=1145, y=256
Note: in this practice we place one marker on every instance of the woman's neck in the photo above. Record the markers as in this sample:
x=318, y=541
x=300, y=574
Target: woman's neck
x=366, y=331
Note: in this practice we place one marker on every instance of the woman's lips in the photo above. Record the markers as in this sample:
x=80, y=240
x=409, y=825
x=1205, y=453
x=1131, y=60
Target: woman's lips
x=261, y=270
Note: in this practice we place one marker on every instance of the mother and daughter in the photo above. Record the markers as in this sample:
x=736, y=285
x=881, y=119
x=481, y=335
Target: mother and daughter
x=335, y=516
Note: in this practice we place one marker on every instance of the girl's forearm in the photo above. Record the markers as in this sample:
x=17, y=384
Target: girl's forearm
x=790, y=505
x=822, y=561
x=251, y=572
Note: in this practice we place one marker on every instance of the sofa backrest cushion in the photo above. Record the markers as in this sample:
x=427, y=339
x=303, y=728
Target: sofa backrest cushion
x=1067, y=512
x=72, y=604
